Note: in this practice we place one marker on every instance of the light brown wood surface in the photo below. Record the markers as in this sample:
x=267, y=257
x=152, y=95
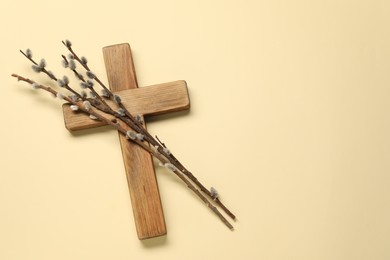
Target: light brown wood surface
x=152, y=100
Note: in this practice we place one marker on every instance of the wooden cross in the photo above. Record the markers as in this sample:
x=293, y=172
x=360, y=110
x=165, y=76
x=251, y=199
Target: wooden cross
x=146, y=101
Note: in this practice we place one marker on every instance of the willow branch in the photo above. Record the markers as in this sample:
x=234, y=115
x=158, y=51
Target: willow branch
x=87, y=109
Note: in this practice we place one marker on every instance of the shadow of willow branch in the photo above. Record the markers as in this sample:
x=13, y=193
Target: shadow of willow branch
x=86, y=107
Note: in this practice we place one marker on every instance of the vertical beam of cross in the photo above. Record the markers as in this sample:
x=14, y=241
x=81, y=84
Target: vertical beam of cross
x=141, y=176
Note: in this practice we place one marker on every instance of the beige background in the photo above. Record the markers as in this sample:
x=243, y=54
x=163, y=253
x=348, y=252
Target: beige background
x=290, y=120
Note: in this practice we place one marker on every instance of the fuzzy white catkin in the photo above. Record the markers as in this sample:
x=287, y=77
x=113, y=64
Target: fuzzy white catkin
x=140, y=137
x=214, y=193
x=90, y=83
x=42, y=63
x=84, y=60
x=170, y=166
x=83, y=85
x=60, y=96
x=131, y=135
x=90, y=75
x=29, y=53
x=87, y=105
x=61, y=83
x=121, y=111
x=68, y=43
x=72, y=64
x=65, y=79
x=36, y=68
x=117, y=99
x=74, y=107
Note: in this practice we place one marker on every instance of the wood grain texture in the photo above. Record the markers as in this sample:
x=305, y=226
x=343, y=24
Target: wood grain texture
x=144, y=193
x=147, y=101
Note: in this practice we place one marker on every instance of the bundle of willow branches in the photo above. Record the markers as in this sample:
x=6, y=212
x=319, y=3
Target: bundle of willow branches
x=127, y=124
